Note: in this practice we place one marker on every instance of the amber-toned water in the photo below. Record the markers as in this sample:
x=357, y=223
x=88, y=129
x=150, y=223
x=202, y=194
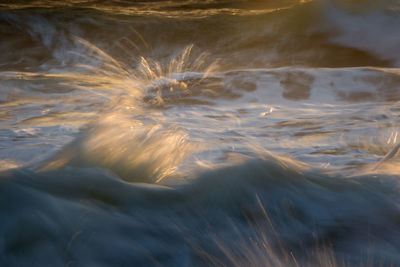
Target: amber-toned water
x=199, y=133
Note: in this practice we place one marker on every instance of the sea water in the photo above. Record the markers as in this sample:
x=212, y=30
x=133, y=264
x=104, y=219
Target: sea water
x=199, y=133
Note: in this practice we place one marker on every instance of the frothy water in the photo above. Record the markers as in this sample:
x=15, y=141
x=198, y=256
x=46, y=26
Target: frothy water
x=192, y=133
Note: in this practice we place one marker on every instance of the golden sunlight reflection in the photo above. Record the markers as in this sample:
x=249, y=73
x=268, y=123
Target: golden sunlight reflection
x=200, y=133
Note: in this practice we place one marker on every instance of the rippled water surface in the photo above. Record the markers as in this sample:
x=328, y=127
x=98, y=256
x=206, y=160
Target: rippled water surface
x=200, y=133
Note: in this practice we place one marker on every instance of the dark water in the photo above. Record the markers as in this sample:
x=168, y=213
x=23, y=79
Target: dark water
x=199, y=133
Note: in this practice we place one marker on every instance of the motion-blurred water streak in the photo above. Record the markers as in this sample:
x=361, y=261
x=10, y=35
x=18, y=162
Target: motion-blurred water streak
x=193, y=133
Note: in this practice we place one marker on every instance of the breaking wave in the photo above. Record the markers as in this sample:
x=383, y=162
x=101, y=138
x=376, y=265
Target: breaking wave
x=192, y=133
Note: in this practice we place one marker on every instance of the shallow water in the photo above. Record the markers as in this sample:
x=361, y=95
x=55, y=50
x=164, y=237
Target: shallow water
x=192, y=133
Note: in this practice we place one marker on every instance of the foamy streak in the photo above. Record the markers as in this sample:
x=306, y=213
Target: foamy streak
x=134, y=150
x=92, y=137
x=271, y=123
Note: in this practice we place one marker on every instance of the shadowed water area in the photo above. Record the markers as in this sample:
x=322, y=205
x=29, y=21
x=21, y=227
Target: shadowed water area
x=199, y=133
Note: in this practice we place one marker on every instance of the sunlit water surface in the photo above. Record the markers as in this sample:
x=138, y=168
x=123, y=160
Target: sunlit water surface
x=193, y=133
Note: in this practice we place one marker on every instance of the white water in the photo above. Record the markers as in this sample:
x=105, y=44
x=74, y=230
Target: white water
x=215, y=134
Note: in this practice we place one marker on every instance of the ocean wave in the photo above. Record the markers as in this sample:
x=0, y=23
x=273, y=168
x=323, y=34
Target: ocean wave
x=315, y=34
x=196, y=133
x=273, y=205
